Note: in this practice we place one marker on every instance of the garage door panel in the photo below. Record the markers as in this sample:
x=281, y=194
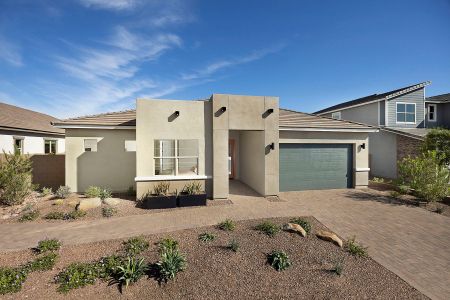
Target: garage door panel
x=315, y=166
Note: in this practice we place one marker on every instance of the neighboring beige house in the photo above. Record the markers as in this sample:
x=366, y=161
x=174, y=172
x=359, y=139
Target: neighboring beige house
x=29, y=132
x=226, y=137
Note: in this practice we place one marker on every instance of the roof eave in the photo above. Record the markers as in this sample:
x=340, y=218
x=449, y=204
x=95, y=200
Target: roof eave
x=31, y=130
x=91, y=126
x=322, y=129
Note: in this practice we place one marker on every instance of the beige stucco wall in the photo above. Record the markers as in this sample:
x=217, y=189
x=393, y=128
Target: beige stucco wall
x=383, y=154
x=251, y=161
x=360, y=156
x=110, y=167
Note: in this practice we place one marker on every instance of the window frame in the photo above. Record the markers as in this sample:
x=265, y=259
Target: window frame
x=51, y=141
x=339, y=115
x=176, y=157
x=21, y=148
x=405, y=112
x=84, y=144
x=434, y=113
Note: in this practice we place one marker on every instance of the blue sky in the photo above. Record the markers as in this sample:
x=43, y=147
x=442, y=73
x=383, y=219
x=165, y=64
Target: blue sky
x=77, y=57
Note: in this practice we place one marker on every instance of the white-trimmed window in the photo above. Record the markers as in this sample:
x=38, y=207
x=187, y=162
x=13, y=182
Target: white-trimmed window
x=406, y=113
x=336, y=115
x=50, y=146
x=18, y=144
x=176, y=157
x=432, y=111
x=130, y=146
x=90, y=145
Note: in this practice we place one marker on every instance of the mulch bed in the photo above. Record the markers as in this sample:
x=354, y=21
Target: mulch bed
x=214, y=272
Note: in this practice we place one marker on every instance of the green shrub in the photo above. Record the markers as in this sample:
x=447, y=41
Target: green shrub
x=403, y=189
x=227, y=225
x=11, y=280
x=43, y=263
x=233, y=245
x=192, y=188
x=355, y=248
x=93, y=192
x=109, y=211
x=206, y=237
x=77, y=275
x=268, y=228
x=304, y=223
x=55, y=215
x=135, y=246
x=59, y=202
x=378, y=180
x=108, y=266
x=338, y=268
x=63, y=192
x=131, y=271
x=48, y=245
x=279, y=260
x=438, y=140
x=394, y=194
x=15, y=178
x=75, y=214
x=46, y=192
x=170, y=264
x=29, y=215
x=439, y=210
x=161, y=188
x=426, y=175
x=167, y=245
x=105, y=193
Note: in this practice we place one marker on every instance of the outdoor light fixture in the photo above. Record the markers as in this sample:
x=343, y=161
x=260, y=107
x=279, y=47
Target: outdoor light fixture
x=272, y=146
x=363, y=146
x=177, y=113
x=270, y=110
x=223, y=109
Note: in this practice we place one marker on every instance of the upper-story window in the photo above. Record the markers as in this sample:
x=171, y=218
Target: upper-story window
x=406, y=112
x=432, y=110
x=50, y=146
x=176, y=157
x=336, y=115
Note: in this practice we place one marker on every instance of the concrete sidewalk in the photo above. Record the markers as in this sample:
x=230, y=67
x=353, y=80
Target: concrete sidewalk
x=410, y=241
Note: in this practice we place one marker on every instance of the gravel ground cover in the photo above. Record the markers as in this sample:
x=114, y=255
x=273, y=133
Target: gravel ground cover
x=215, y=272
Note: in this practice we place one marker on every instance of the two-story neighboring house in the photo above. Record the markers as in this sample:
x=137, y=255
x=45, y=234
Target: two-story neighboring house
x=403, y=117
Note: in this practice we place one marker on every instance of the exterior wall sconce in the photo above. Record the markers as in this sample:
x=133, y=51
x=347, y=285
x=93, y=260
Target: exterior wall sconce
x=272, y=146
x=223, y=109
x=177, y=113
x=269, y=111
x=363, y=146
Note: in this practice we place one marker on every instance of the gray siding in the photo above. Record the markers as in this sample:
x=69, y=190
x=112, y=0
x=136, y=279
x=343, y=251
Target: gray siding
x=443, y=116
x=382, y=112
x=367, y=114
x=383, y=154
x=416, y=97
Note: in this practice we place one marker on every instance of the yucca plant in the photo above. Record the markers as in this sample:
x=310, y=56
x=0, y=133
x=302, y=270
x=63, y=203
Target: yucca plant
x=161, y=188
x=131, y=271
x=227, y=225
x=192, y=188
x=167, y=245
x=170, y=264
x=206, y=237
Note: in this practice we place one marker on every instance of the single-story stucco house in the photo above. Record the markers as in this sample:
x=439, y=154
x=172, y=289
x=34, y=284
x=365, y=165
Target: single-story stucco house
x=246, y=138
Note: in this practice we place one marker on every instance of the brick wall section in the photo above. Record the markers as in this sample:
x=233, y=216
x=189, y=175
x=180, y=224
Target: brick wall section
x=407, y=146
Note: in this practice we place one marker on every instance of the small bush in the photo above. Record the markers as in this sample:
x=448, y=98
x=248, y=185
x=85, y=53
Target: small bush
x=77, y=275
x=108, y=266
x=59, y=202
x=227, y=225
x=109, y=211
x=438, y=139
x=11, y=280
x=268, y=228
x=55, y=215
x=105, y=193
x=75, y=214
x=93, y=192
x=167, y=245
x=135, y=246
x=48, y=245
x=46, y=192
x=30, y=215
x=43, y=263
x=439, y=210
x=233, y=245
x=192, y=188
x=304, y=223
x=338, y=268
x=63, y=192
x=279, y=260
x=161, y=188
x=355, y=248
x=403, y=189
x=378, y=180
x=131, y=271
x=206, y=237
x=15, y=178
x=170, y=264
x=394, y=194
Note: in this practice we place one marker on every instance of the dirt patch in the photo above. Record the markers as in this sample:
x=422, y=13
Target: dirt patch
x=214, y=272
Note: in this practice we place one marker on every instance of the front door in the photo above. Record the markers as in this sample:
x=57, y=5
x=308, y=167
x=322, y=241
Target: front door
x=231, y=158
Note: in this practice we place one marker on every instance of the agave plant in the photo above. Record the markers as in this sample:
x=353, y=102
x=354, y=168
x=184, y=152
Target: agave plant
x=131, y=271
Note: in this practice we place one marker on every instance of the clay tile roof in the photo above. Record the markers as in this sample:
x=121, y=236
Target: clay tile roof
x=17, y=118
x=295, y=119
x=120, y=118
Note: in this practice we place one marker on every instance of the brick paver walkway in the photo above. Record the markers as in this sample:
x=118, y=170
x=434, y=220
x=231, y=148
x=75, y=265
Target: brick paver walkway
x=410, y=241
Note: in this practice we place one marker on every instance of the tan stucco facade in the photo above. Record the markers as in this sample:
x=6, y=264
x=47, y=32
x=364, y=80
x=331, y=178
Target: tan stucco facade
x=110, y=166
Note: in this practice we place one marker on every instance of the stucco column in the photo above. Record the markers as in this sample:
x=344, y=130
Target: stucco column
x=220, y=147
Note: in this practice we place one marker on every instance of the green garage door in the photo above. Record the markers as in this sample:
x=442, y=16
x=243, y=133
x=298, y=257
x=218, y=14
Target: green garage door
x=315, y=166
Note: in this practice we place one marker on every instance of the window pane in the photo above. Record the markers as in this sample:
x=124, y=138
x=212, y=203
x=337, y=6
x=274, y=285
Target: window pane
x=431, y=108
x=164, y=166
x=187, y=166
x=164, y=148
x=47, y=147
x=187, y=147
x=400, y=107
x=411, y=108
x=400, y=117
x=410, y=118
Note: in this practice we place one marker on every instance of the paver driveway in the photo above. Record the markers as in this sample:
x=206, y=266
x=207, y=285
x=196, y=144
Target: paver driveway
x=410, y=241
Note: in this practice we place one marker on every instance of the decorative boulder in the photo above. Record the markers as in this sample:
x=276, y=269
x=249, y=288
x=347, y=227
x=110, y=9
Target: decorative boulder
x=111, y=201
x=295, y=228
x=86, y=204
x=330, y=237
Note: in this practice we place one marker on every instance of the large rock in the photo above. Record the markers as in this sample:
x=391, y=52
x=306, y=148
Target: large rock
x=330, y=237
x=86, y=204
x=112, y=201
x=295, y=228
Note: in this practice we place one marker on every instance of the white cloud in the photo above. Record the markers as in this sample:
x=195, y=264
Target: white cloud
x=110, y=4
x=10, y=52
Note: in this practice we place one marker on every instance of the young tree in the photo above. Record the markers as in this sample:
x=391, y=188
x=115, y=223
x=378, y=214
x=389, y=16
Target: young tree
x=439, y=140
x=15, y=178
